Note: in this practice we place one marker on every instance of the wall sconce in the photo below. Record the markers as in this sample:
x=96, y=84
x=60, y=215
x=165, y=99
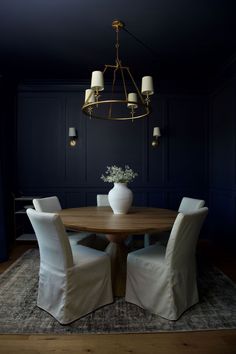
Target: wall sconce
x=72, y=136
x=156, y=134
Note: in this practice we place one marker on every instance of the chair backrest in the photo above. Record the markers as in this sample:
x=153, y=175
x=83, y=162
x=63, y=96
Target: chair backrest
x=102, y=200
x=188, y=205
x=182, y=242
x=47, y=205
x=54, y=246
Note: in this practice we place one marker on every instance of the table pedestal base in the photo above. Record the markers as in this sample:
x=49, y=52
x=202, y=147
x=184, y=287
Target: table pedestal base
x=118, y=254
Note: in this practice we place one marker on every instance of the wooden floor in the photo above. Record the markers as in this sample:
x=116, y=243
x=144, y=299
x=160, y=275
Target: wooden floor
x=202, y=342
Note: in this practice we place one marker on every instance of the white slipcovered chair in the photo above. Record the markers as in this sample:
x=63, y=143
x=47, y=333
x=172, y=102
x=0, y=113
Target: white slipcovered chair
x=162, y=279
x=52, y=205
x=47, y=205
x=102, y=200
x=187, y=205
x=190, y=204
x=73, y=280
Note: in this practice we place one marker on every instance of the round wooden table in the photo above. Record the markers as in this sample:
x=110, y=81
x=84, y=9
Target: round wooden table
x=117, y=228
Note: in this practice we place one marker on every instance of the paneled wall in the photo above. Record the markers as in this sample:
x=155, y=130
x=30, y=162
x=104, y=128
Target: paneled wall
x=222, y=166
x=7, y=164
x=47, y=165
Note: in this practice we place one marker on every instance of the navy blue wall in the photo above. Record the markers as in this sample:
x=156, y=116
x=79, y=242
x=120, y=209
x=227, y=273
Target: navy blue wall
x=7, y=164
x=196, y=156
x=3, y=236
x=222, y=162
x=47, y=165
x=3, y=232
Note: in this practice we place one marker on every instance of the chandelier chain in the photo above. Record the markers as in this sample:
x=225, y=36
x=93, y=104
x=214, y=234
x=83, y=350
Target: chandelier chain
x=117, y=45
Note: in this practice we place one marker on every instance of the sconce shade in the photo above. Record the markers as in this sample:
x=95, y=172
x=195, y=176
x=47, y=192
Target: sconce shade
x=133, y=98
x=147, y=86
x=72, y=132
x=97, y=81
x=156, y=131
x=89, y=96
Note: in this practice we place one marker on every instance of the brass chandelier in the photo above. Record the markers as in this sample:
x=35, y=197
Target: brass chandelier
x=118, y=103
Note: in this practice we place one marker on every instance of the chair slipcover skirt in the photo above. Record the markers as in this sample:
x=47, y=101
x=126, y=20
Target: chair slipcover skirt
x=83, y=288
x=158, y=289
x=73, y=279
x=162, y=279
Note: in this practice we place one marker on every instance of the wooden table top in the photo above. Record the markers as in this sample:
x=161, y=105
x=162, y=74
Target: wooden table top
x=102, y=220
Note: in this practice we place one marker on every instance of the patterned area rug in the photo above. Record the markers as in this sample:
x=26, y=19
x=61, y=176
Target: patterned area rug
x=19, y=313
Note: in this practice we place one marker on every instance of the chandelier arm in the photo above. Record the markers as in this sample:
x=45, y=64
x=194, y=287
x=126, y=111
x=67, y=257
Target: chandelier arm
x=136, y=87
x=105, y=68
x=123, y=80
x=115, y=66
x=112, y=91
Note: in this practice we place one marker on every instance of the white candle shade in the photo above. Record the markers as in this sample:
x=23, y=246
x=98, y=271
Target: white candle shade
x=89, y=96
x=156, y=131
x=72, y=132
x=132, y=97
x=147, y=86
x=97, y=82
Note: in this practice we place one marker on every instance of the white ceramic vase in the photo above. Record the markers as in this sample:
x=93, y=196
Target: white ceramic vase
x=120, y=198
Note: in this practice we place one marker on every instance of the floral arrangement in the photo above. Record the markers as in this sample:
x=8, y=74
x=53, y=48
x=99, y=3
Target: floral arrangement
x=115, y=174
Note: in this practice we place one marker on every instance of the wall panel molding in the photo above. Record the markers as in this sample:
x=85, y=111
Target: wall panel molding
x=41, y=140
x=222, y=139
x=175, y=169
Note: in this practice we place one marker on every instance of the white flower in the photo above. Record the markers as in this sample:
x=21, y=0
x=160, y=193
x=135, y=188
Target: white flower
x=115, y=174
